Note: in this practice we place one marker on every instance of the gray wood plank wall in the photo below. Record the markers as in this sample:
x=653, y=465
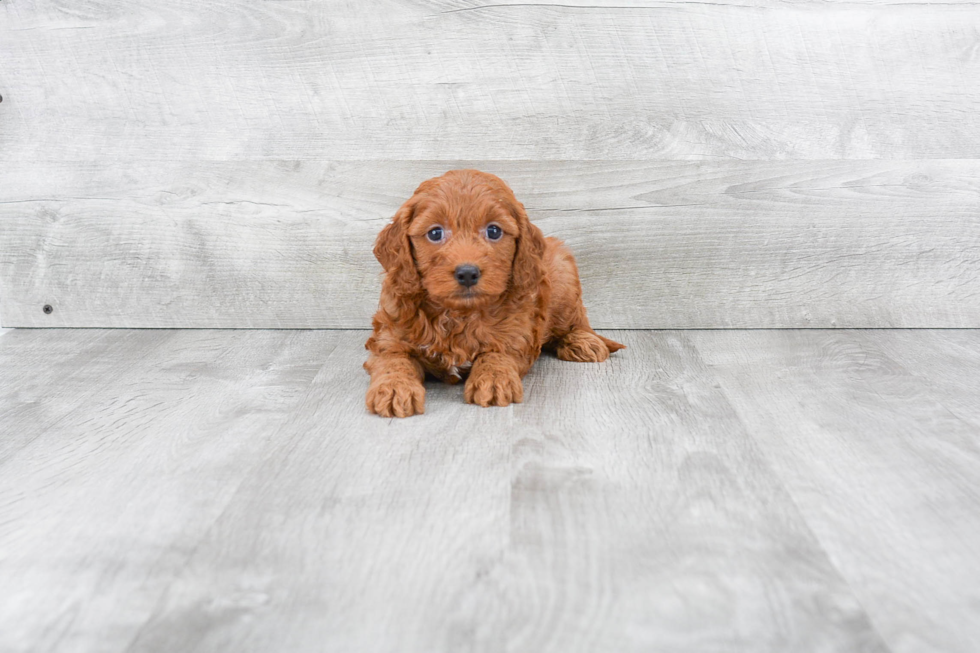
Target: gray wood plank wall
x=735, y=164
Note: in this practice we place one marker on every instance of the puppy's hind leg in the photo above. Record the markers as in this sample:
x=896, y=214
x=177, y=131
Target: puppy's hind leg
x=583, y=345
x=578, y=342
x=572, y=337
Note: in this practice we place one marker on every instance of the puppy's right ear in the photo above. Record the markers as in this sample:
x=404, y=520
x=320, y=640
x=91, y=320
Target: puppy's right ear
x=394, y=251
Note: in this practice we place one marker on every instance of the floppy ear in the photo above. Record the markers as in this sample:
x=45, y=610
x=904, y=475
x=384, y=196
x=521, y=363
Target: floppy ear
x=528, y=271
x=394, y=251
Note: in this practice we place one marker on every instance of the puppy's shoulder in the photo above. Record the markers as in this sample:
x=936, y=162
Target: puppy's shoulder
x=554, y=247
x=556, y=252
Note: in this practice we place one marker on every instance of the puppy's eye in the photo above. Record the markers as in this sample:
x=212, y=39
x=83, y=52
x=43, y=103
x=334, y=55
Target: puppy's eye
x=494, y=232
x=435, y=234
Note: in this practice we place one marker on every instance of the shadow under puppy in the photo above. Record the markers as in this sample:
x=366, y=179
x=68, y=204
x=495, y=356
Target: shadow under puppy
x=472, y=290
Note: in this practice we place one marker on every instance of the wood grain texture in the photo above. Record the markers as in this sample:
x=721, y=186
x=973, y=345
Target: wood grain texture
x=882, y=466
x=447, y=80
x=237, y=496
x=660, y=245
x=645, y=519
x=105, y=506
x=45, y=386
x=949, y=361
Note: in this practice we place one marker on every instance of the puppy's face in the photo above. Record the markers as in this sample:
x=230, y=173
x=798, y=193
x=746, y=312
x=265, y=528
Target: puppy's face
x=464, y=237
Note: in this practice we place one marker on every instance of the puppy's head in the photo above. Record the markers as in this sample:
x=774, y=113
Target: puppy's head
x=463, y=238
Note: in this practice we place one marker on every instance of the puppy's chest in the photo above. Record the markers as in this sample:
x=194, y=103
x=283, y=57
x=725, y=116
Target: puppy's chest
x=451, y=364
x=449, y=355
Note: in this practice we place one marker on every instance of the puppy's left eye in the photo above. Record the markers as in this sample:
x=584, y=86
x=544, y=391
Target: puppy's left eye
x=494, y=232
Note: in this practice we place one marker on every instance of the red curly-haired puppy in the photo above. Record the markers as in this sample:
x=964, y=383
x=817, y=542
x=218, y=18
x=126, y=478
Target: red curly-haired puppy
x=472, y=290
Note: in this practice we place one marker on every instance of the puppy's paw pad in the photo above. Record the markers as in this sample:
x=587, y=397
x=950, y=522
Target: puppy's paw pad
x=494, y=388
x=582, y=347
x=396, y=398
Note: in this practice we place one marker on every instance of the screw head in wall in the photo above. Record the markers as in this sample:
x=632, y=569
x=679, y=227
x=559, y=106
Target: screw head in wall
x=48, y=309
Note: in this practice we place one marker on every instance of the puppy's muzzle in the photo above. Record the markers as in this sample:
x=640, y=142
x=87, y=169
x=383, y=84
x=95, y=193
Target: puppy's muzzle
x=467, y=275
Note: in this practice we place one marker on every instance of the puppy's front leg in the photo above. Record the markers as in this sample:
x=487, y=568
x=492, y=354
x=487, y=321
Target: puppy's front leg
x=495, y=380
x=396, y=388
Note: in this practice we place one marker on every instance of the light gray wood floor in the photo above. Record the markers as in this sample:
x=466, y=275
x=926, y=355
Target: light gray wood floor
x=701, y=491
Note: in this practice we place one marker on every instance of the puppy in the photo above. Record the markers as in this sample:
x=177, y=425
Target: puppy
x=472, y=290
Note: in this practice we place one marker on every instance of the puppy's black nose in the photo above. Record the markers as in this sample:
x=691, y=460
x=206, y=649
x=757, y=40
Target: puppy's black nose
x=467, y=275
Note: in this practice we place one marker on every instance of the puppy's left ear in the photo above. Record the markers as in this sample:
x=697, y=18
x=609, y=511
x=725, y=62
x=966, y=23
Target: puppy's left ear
x=528, y=272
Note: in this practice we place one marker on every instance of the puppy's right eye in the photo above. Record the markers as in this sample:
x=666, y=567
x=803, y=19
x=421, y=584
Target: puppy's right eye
x=435, y=235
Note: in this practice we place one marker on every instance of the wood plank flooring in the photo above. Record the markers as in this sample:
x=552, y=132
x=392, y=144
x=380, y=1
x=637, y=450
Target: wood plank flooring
x=701, y=491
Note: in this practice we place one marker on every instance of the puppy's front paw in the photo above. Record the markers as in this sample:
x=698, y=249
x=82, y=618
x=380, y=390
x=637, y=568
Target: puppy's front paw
x=396, y=397
x=494, y=386
x=582, y=347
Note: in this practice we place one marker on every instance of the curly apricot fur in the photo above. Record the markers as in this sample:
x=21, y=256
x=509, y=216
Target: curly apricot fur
x=528, y=296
